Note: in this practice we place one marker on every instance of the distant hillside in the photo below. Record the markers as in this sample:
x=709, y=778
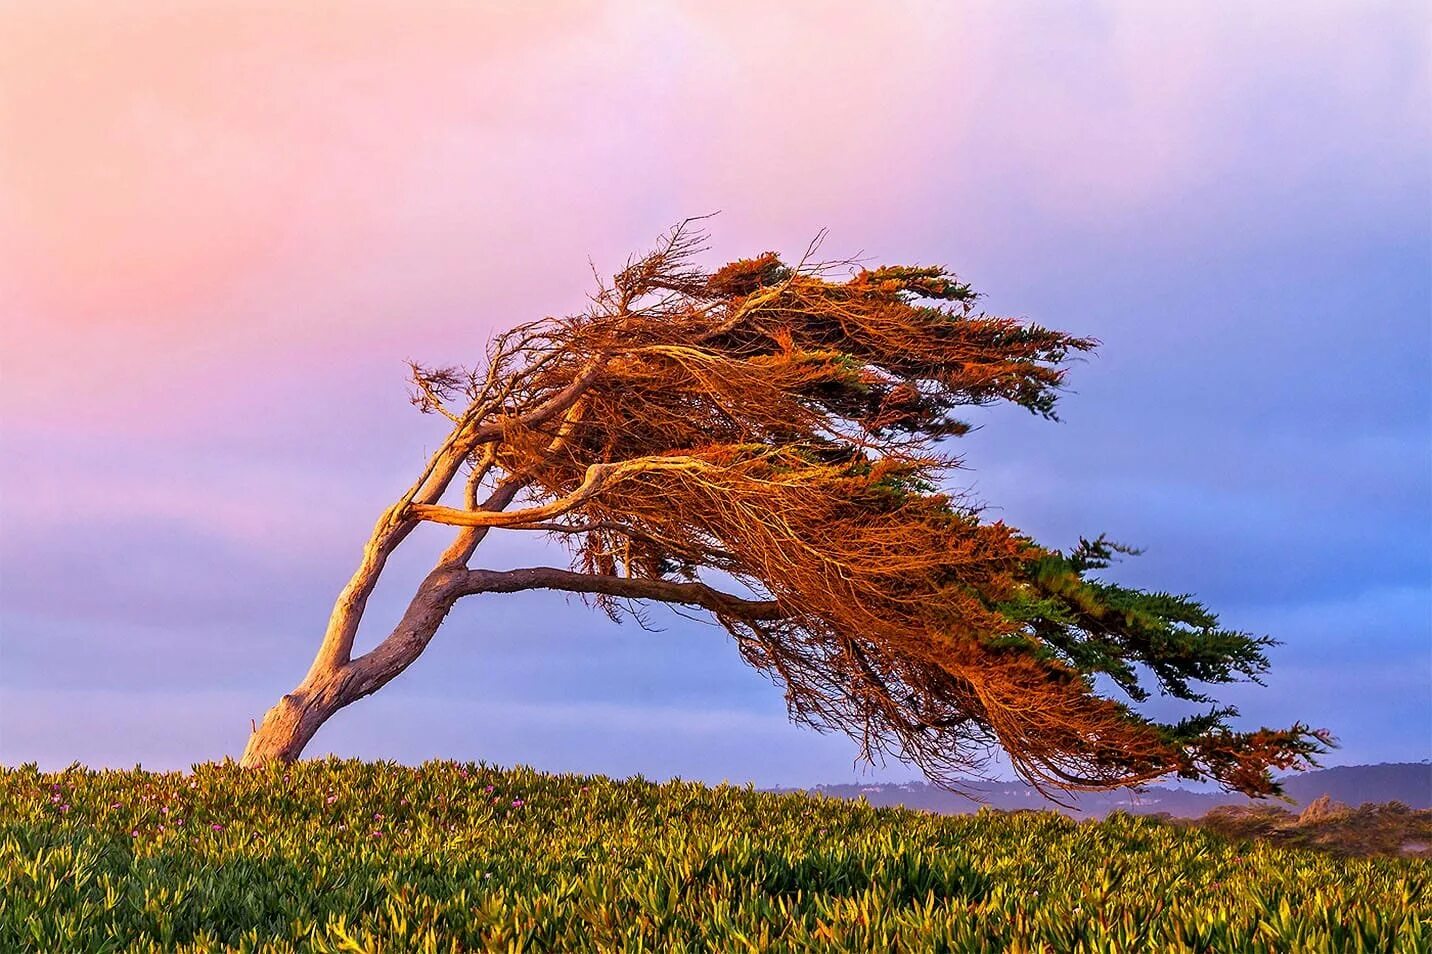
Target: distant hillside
x=1406, y=782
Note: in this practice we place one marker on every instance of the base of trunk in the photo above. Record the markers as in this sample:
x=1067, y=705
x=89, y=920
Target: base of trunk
x=288, y=727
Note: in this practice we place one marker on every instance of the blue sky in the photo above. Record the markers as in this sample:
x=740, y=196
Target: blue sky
x=226, y=234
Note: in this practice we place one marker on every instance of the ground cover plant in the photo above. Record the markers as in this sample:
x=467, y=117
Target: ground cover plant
x=350, y=856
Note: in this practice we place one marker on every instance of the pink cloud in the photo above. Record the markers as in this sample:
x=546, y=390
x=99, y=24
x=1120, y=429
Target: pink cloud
x=210, y=196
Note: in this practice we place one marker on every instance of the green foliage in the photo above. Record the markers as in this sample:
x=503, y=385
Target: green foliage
x=1099, y=628
x=1106, y=628
x=345, y=856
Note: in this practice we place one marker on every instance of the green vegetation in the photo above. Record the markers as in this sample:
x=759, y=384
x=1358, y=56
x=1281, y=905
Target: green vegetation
x=347, y=856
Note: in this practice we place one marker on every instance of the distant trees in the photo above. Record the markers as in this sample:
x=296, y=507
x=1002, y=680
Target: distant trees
x=762, y=443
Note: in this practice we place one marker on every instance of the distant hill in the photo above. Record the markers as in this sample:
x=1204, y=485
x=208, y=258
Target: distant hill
x=1406, y=782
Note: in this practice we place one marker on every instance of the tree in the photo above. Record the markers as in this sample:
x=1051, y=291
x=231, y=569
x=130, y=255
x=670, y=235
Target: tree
x=763, y=443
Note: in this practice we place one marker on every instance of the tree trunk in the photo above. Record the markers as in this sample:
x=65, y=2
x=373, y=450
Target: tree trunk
x=330, y=686
x=293, y=720
x=335, y=678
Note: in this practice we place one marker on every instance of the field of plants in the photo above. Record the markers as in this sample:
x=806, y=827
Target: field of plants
x=349, y=856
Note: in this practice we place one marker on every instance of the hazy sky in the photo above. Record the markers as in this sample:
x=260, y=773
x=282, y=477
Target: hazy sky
x=224, y=226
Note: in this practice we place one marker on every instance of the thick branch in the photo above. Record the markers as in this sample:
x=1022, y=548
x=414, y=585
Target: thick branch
x=596, y=478
x=397, y=522
x=445, y=585
x=664, y=591
x=468, y=538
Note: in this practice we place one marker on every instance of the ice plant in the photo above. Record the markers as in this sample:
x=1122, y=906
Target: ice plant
x=666, y=867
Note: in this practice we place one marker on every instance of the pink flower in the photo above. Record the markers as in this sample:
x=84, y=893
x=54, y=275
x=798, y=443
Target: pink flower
x=518, y=803
x=134, y=834
x=331, y=799
x=217, y=827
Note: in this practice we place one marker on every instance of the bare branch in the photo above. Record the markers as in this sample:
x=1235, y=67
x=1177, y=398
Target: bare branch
x=597, y=478
x=664, y=591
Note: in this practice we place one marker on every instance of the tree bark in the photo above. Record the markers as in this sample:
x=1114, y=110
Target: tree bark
x=293, y=720
x=329, y=686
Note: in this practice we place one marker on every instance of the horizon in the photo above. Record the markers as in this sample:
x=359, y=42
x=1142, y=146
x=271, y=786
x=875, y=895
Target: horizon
x=227, y=229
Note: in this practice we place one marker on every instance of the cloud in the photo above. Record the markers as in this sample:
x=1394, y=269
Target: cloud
x=230, y=223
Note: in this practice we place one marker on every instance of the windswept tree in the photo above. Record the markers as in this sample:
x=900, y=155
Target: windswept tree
x=765, y=443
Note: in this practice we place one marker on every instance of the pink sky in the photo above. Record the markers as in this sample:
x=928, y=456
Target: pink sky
x=193, y=189
x=223, y=226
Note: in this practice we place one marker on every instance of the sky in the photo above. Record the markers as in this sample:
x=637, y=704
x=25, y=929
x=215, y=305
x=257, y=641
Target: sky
x=224, y=227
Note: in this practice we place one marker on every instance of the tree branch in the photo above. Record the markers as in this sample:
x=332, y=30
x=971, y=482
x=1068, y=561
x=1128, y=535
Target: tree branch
x=445, y=585
x=399, y=520
x=556, y=404
x=663, y=591
x=597, y=477
x=466, y=542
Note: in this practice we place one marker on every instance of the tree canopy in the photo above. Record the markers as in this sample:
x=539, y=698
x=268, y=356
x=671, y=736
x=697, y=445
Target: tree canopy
x=770, y=443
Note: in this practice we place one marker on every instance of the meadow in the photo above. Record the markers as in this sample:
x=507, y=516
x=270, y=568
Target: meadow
x=336, y=856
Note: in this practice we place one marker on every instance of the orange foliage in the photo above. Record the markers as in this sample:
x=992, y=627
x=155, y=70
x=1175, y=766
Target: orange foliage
x=778, y=426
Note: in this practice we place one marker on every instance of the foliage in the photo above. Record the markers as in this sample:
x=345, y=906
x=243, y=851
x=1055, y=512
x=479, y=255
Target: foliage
x=345, y=856
x=779, y=426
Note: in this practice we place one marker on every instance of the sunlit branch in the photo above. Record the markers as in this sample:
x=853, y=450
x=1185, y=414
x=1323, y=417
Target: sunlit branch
x=597, y=478
x=665, y=591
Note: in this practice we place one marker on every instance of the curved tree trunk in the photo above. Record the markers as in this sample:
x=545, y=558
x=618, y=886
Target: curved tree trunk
x=335, y=678
x=292, y=722
x=332, y=684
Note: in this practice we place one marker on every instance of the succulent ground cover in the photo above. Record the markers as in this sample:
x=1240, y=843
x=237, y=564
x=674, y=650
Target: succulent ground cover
x=351, y=856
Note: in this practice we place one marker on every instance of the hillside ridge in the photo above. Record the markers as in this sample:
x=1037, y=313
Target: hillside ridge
x=1407, y=782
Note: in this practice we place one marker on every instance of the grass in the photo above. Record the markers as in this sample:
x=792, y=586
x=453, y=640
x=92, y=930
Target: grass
x=350, y=856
